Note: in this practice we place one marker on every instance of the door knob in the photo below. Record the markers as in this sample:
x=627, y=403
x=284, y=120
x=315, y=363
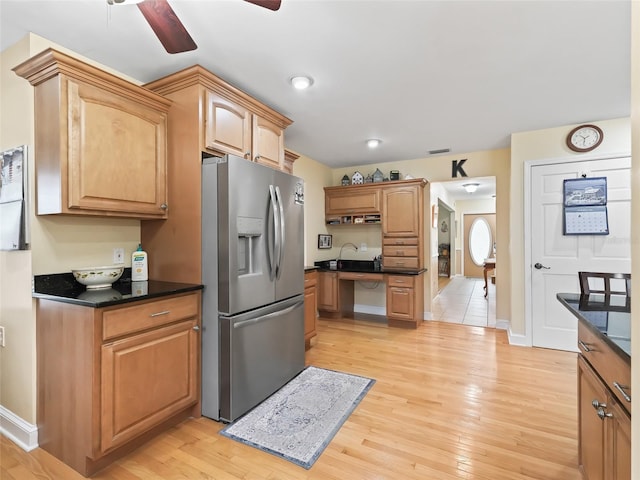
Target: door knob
x=539, y=266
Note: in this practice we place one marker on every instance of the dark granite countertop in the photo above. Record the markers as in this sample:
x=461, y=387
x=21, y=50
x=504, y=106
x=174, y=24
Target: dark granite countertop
x=310, y=268
x=62, y=287
x=362, y=266
x=608, y=318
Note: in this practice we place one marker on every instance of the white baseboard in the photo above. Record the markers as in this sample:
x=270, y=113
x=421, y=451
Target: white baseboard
x=503, y=324
x=515, y=338
x=369, y=309
x=22, y=433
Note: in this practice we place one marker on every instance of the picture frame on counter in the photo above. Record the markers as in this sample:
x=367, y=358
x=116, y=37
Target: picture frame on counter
x=325, y=241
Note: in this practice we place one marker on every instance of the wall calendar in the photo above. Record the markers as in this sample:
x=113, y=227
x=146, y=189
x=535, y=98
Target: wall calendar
x=585, y=206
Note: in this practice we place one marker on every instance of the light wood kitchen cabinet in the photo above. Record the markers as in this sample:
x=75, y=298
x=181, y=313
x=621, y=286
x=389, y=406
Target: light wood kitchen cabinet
x=353, y=200
x=175, y=244
x=233, y=128
x=100, y=141
x=405, y=304
x=403, y=225
x=135, y=372
x=604, y=428
x=310, y=306
x=328, y=291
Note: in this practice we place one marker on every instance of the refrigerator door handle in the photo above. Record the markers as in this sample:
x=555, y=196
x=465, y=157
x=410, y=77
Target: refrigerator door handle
x=282, y=232
x=262, y=318
x=274, y=254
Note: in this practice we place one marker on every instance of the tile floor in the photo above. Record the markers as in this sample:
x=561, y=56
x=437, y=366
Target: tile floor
x=462, y=301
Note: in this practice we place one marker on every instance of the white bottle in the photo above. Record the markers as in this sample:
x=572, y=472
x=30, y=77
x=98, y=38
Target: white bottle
x=139, y=269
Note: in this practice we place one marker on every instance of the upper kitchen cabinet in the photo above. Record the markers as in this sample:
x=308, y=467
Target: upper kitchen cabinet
x=356, y=200
x=100, y=141
x=233, y=122
x=402, y=209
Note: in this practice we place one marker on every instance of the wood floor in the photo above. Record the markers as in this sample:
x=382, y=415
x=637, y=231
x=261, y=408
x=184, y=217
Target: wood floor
x=450, y=402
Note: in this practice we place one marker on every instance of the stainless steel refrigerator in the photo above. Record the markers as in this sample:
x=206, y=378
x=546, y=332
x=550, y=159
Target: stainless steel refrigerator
x=253, y=272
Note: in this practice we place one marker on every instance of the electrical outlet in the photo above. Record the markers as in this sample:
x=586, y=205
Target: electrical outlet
x=1, y=336
x=363, y=247
x=118, y=255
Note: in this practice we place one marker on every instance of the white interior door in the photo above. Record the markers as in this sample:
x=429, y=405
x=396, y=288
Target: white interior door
x=556, y=258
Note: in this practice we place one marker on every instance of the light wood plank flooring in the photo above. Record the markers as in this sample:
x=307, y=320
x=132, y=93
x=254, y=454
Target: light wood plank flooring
x=450, y=402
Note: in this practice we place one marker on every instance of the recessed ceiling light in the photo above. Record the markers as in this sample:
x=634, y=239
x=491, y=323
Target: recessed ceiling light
x=470, y=187
x=373, y=142
x=300, y=82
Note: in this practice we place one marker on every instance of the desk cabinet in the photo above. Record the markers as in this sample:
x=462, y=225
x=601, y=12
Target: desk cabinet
x=310, y=306
x=135, y=372
x=335, y=298
x=405, y=300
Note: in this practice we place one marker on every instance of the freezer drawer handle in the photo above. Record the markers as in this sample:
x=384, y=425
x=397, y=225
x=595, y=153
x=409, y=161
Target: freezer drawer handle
x=252, y=321
x=584, y=346
x=157, y=314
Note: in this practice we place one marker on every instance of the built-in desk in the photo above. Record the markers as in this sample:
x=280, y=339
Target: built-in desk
x=404, y=294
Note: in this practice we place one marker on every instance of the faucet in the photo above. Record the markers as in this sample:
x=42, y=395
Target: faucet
x=344, y=245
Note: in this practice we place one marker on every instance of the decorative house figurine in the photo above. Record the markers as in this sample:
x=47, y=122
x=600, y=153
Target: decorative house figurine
x=345, y=181
x=378, y=176
x=369, y=179
x=394, y=175
x=357, y=178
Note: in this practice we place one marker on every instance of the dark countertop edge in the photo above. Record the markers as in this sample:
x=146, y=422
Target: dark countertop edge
x=614, y=346
x=183, y=288
x=393, y=272
x=310, y=268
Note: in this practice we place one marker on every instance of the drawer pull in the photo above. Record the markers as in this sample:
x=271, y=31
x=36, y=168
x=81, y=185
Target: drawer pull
x=602, y=414
x=165, y=312
x=621, y=389
x=584, y=346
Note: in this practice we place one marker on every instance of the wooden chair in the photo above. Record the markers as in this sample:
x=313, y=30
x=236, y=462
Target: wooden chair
x=604, y=280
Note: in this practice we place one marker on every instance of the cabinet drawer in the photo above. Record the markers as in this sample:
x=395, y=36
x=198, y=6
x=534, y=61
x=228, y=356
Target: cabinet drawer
x=366, y=277
x=400, y=281
x=125, y=320
x=310, y=279
x=400, y=263
x=399, y=241
x=613, y=369
x=400, y=251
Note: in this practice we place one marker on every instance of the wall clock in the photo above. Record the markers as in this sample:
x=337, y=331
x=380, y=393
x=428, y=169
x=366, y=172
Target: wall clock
x=584, y=138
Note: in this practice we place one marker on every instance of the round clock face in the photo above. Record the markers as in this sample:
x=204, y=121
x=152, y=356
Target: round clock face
x=584, y=138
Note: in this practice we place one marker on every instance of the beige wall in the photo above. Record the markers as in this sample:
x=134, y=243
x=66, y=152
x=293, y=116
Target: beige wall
x=542, y=146
x=58, y=243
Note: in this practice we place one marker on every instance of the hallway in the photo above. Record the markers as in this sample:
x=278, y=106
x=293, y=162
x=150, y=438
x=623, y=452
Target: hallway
x=462, y=301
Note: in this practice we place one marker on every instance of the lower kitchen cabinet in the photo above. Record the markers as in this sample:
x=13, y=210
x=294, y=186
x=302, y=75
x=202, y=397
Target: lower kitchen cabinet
x=335, y=298
x=310, y=306
x=111, y=378
x=405, y=300
x=604, y=429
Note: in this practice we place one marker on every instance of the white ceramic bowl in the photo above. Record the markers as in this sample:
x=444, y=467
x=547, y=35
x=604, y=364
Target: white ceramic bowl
x=98, y=277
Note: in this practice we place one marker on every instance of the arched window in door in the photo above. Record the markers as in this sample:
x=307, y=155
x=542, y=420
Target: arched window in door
x=480, y=241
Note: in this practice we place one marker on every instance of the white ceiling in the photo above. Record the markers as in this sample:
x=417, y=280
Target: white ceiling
x=420, y=75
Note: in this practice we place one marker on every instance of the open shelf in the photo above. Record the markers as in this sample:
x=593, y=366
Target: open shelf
x=354, y=220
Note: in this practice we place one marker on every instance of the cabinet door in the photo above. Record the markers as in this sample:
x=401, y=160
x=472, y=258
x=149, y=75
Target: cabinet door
x=145, y=379
x=267, y=145
x=227, y=126
x=310, y=306
x=591, y=441
x=618, y=441
x=328, y=291
x=117, y=153
x=400, y=302
x=401, y=211
x=350, y=201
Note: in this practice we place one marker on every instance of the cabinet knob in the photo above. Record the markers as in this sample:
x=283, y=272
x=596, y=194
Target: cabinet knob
x=602, y=414
x=596, y=404
x=257, y=157
x=164, y=206
x=196, y=328
x=247, y=155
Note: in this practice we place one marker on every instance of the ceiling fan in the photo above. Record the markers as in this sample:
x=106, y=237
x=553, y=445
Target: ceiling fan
x=168, y=27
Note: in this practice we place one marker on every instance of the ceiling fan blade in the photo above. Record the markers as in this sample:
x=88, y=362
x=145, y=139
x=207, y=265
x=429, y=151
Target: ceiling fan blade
x=270, y=4
x=167, y=26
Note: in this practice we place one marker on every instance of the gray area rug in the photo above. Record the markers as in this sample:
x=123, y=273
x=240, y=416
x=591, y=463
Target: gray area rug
x=299, y=420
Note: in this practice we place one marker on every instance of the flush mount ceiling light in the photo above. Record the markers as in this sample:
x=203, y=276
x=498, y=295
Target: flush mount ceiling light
x=300, y=82
x=373, y=142
x=470, y=187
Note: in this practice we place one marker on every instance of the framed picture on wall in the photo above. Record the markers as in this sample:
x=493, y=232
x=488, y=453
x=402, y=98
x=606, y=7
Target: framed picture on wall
x=324, y=241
